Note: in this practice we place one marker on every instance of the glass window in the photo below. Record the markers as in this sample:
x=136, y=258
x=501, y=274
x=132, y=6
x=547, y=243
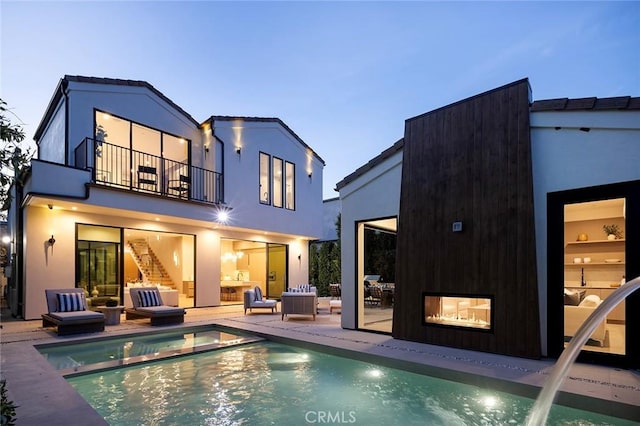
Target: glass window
x=277, y=182
x=97, y=262
x=265, y=172
x=129, y=153
x=290, y=188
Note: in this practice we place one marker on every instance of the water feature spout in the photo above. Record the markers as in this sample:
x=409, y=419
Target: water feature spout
x=540, y=410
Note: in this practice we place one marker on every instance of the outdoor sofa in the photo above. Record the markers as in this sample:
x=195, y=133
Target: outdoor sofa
x=301, y=301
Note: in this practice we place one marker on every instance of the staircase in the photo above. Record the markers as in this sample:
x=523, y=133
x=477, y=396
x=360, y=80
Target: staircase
x=148, y=263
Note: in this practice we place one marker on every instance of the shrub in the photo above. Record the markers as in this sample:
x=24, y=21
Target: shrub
x=7, y=407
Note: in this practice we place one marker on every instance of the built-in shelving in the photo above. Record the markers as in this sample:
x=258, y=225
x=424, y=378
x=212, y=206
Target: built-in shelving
x=582, y=265
x=621, y=240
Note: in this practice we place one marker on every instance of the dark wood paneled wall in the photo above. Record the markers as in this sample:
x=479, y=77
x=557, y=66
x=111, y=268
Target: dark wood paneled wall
x=470, y=162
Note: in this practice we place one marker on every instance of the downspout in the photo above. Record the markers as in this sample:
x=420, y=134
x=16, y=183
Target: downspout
x=63, y=90
x=18, y=268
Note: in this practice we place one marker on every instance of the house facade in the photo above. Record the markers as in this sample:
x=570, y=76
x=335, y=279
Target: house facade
x=498, y=205
x=130, y=190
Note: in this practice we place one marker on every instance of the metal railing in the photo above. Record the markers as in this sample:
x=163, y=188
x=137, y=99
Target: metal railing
x=114, y=165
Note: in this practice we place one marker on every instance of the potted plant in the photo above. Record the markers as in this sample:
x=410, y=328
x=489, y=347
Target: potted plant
x=613, y=231
x=111, y=303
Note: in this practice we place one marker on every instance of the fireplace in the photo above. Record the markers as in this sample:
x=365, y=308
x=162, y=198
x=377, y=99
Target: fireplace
x=456, y=310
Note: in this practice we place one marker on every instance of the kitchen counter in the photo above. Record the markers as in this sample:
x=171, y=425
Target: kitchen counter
x=239, y=286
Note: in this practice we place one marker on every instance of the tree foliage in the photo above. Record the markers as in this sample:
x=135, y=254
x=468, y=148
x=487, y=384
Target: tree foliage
x=13, y=157
x=324, y=263
x=7, y=407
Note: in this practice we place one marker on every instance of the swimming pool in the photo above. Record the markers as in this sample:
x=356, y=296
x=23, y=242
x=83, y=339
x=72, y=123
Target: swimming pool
x=269, y=383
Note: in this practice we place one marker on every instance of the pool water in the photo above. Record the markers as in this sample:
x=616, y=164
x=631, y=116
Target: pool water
x=268, y=383
x=132, y=349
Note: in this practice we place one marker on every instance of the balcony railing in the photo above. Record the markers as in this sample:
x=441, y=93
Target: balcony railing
x=113, y=165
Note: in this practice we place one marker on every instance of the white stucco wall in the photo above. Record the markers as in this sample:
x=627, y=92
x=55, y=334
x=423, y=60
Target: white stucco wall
x=373, y=195
x=51, y=144
x=569, y=158
x=134, y=103
x=241, y=177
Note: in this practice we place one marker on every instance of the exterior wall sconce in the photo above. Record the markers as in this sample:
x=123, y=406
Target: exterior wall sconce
x=238, y=150
x=300, y=257
x=310, y=174
x=52, y=241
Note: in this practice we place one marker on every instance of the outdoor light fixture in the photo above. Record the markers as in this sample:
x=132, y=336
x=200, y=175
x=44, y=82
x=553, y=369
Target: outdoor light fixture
x=300, y=257
x=310, y=174
x=223, y=216
x=238, y=150
x=52, y=241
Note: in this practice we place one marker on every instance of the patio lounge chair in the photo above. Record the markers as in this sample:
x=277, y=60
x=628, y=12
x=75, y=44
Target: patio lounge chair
x=253, y=299
x=147, y=303
x=67, y=310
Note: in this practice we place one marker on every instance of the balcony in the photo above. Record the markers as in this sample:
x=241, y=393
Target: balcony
x=116, y=166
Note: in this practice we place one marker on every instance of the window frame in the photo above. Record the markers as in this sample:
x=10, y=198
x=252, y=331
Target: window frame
x=277, y=196
x=267, y=179
x=287, y=177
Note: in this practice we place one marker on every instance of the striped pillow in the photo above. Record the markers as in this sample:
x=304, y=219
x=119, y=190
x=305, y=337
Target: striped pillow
x=148, y=298
x=69, y=302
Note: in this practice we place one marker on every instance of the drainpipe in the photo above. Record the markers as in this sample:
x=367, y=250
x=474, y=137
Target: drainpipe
x=18, y=270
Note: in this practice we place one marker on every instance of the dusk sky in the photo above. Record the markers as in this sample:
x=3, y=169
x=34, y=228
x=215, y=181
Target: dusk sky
x=343, y=75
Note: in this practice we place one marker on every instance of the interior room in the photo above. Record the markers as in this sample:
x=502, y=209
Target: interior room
x=162, y=259
x=594, y=266
x=247, y=264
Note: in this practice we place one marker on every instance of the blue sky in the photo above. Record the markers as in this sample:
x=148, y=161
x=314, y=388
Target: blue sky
x=343, y=75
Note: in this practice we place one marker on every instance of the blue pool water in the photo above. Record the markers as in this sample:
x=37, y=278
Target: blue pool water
x=268, y=383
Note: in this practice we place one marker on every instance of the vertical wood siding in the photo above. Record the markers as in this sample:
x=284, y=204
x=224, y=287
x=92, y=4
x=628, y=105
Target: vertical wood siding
x=470, y=162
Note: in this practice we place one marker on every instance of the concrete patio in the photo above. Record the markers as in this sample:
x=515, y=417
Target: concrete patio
x=44, y=397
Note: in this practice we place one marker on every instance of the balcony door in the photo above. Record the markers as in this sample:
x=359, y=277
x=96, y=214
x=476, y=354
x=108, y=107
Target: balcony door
x=132, y=154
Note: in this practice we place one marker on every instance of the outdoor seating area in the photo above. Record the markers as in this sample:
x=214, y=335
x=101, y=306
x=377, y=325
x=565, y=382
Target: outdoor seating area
x=67, y=311
x=147, y=303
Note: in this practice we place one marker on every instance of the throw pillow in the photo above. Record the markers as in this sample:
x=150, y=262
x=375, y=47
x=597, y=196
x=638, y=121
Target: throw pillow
x=591, y=301
x=70, y=302
x=258, y=292
x=571, y=298
x=148, y=298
